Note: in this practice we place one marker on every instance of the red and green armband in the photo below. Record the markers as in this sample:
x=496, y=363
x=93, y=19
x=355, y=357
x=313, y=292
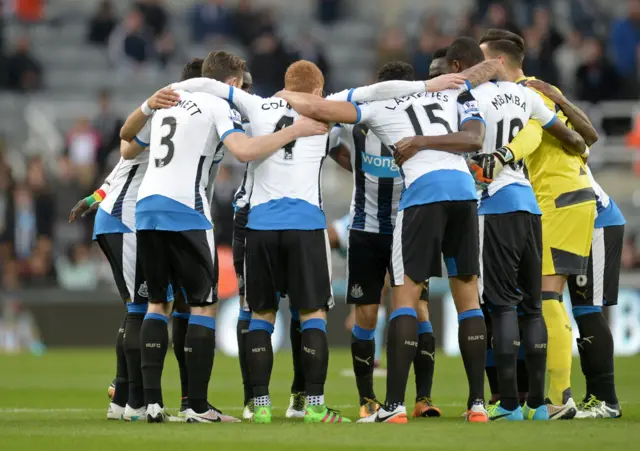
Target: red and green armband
x=97, y=196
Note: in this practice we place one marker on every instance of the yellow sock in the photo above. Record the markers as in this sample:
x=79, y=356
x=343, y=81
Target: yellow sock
x=558, y=349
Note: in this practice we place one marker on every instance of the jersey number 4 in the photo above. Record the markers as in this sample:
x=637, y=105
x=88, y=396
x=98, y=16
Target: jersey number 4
x=167, y=141
x=286, y=121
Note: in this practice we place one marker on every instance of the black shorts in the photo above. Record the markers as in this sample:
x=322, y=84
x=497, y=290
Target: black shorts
x=121, y=252
x=426, y=233
x=240, y=219
x=185, y=259
x=600, y=286
x=511, y=260
x=368, y=259
x=297, y=262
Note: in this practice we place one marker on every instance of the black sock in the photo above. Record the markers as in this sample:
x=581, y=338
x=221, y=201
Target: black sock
x=132, y=354
x=200, y=348
x=472, y=339
x=122, y=378
x=506, y=342
x=523, y=375
x=242, y=329
x=260, y=356
x=596, y=353
x=363, y=349
x=425, y=360
x=180, y=323
x=154, y=340
x=315, y=355
x=295, y=334
x=402, y=345
x=490, y=363
x=534, y=340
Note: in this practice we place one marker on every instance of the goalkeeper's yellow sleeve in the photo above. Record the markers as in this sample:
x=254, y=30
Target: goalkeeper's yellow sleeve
x=526, y=141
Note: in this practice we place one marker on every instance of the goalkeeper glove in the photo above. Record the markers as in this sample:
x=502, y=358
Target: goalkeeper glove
x=485, y=167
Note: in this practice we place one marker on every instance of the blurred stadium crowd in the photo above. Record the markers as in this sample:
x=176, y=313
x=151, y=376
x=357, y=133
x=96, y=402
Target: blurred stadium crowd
x=591, y=51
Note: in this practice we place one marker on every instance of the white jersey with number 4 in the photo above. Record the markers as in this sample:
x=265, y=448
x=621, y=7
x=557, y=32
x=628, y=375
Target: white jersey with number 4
x=286, y=192
x=506, y=108
x=185, y=142
x=430, y=175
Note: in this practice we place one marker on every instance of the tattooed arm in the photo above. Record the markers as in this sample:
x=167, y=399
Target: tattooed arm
x=483, y=72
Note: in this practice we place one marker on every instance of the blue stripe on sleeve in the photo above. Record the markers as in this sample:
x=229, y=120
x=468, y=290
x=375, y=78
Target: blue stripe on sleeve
x=228, y=132
x=551, y=122
x=140, y=142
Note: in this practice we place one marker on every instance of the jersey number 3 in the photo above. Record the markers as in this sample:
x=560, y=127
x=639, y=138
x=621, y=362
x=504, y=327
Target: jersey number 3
x=167, y=141
x=286, y=121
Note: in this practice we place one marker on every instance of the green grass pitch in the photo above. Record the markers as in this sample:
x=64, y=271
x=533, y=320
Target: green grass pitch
x=58, y=402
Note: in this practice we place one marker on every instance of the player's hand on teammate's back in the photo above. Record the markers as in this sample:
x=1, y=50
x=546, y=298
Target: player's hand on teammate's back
x=446, y=81
x=485, y=167
x=405, y=149
x=82, y=209
x=546, y=89
x=163, y=98
x=310, y=127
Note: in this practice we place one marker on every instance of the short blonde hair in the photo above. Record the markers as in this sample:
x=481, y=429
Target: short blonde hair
x=303, y=76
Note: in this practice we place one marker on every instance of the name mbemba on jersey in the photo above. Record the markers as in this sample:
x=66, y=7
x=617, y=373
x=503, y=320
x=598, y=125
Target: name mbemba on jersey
x=501, y=99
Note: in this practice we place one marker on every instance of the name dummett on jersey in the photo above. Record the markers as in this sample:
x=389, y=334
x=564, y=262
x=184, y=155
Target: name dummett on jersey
x=500, y=100
x=189, y=105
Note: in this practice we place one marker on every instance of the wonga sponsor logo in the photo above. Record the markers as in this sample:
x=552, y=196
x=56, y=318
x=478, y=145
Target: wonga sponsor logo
x=378, y=166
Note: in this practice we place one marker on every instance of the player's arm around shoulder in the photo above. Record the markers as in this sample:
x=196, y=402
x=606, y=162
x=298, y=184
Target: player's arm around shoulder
x=248, y=149
x=484, y=72
x=576, y=117
x=325, y=110
x=545, y=115
x=245, y=102
x=130, y=150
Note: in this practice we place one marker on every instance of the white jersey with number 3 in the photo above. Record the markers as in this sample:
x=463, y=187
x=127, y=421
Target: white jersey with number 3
x=185, y=142
x=506, y=108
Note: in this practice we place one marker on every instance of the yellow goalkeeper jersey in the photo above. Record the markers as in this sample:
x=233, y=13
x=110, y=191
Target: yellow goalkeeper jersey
x=559, y=178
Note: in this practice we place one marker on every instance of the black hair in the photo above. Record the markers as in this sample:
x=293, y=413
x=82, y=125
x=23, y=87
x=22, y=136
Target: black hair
x=192, y=69
x=395, y=70
x=440, y=53
x=247, y=81
x=466, y=50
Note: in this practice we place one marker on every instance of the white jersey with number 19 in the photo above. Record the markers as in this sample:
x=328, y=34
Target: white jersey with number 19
x=430, y=175
x=506, y=108
x=185, y=142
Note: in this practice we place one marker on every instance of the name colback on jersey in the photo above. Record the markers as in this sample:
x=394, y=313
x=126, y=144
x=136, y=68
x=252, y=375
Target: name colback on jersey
x=430, y=175
x=286, y=191
x=506, y=108
x=185, y=143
